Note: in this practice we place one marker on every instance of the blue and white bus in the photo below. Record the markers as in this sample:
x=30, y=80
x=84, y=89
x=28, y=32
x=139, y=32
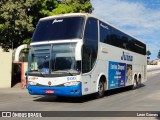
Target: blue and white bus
x=79, y=54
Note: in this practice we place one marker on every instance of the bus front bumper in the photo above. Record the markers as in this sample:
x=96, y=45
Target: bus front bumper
x=68, y=91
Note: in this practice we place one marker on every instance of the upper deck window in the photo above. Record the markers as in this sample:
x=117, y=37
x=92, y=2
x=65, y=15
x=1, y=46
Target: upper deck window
x=59, y=29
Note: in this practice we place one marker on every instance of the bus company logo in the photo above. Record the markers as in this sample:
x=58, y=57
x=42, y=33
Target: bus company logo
x=57, y=21
x=126, y=57
x=49, y=83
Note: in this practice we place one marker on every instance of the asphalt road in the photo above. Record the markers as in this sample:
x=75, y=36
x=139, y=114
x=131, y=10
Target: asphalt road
x=146, y=98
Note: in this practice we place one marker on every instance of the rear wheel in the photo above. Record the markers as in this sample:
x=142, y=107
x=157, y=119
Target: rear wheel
x=137, y=82
x=100, y=92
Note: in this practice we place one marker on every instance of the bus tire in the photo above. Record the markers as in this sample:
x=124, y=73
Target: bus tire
x=135, y=83
x=100, y=92
x=139, y=81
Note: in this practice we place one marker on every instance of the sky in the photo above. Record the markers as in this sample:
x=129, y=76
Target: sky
x=138, y=18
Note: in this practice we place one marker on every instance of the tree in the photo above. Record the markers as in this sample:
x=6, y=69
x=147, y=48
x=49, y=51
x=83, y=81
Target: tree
x=18, y=18
x=41, y=8
x=158, y=56
x=73, y=6
x=148, y=53
x=15, y=25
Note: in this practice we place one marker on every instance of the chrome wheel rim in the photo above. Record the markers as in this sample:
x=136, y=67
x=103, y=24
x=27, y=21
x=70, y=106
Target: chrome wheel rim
x=100, y=88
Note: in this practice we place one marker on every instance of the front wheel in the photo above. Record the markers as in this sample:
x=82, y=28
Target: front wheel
x=100, y=92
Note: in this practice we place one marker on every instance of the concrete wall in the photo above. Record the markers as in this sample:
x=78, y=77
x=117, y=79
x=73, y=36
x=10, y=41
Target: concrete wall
x=5, y=69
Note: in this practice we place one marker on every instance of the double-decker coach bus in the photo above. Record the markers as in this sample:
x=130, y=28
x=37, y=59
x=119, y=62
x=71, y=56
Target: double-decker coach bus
x=79, y=54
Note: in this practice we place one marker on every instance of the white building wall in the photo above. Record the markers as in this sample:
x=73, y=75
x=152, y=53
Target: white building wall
x=5, y=69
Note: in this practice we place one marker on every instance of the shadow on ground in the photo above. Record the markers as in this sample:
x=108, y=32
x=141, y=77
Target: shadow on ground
x=82, y=99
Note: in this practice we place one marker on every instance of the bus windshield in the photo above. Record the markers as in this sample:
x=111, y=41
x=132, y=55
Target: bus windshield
x=39, y=58
x=59, y=29
x=55, y=59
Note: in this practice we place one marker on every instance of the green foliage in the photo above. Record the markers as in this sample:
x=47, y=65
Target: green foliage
x=158, y=56
x=148, y=53
x=73, y=6
x=41, y=8
x=15, y=25
x=18, y=18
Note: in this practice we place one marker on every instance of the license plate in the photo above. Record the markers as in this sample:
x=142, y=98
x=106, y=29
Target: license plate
x=49, y=91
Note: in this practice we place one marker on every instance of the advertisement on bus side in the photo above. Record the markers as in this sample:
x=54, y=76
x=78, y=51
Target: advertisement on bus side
x=119, y=74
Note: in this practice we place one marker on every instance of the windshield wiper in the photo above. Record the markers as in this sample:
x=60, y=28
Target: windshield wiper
x=65, y=71
x=69, y=72
x=37, y=71
x=41, y=73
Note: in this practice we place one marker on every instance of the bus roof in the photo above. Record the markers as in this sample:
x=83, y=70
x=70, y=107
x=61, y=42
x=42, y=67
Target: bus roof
x=66, y=15
x=86, y=15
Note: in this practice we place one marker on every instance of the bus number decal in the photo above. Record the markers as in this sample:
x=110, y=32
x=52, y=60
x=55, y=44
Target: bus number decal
x=71, y=78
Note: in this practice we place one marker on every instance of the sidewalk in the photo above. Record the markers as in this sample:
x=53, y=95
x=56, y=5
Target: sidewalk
x=152, y=72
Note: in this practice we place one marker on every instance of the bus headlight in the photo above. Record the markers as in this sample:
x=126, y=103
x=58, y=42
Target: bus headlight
x=32, y=83
x=73, y=83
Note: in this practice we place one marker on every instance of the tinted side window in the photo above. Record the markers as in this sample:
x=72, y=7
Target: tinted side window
x=131, y=45
x=104, y=32
x=91, y=30
x=90, y=47
x=112, y=36
x=125, y=40
x=140, y=47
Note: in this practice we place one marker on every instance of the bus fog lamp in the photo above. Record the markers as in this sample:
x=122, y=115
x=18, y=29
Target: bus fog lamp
x=72, y=91
x=77, y=91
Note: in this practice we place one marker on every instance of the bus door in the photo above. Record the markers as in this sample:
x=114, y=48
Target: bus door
x=86, y=68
